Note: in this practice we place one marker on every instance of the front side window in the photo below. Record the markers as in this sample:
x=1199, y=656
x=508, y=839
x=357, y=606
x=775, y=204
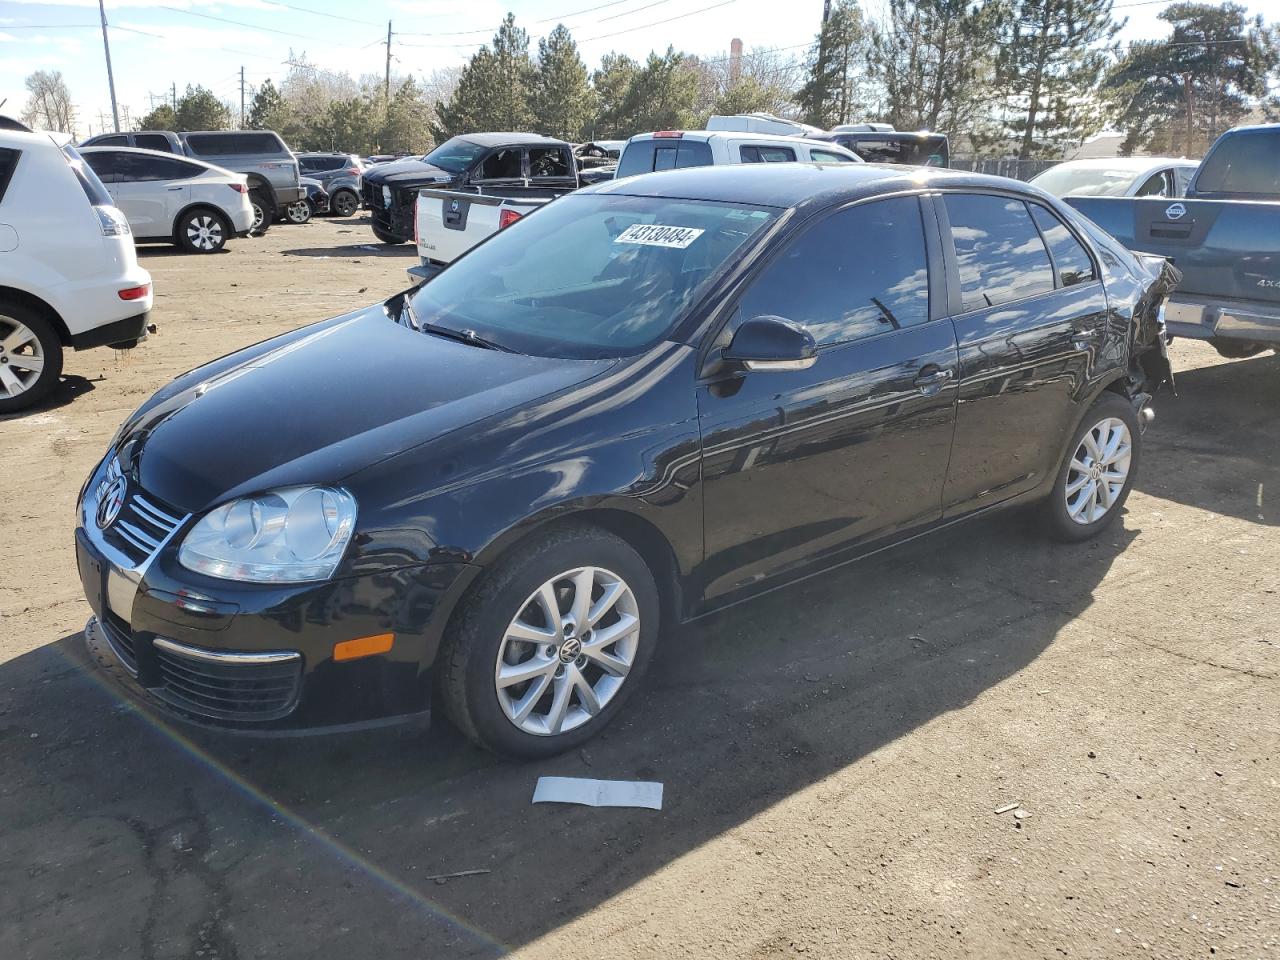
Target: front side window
x=998, y=250
x=107, y=164
x=753, y=153
x=857, y=273
x=548, y=162
x=153, y=141
x=501, y=165
x=1246, y=164
x=824, y=156
x=114, y=141
x=1069, y=257
x=589, y=276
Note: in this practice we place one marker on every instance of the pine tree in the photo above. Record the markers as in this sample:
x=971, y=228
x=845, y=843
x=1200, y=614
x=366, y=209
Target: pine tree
x=408, y=124
x=661, y=95
x=1053, y=54
x=493, y=91
x=837, y=64
x=562, y=101
x=744, y=96
x=199, y=109
x=611, y=82
x=266, y=112
x=161, y=118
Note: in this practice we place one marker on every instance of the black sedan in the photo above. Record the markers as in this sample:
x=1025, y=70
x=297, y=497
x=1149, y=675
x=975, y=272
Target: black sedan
x=647, y=401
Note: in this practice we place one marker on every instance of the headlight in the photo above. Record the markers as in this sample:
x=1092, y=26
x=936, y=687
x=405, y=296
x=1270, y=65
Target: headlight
x=386, y=196
x=285, y=536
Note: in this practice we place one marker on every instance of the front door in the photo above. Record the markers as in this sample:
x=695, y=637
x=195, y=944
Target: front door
x=800, y=465
x=1029, y=329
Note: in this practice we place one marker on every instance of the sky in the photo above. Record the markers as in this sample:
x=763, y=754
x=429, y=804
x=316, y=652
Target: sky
x=156, y=43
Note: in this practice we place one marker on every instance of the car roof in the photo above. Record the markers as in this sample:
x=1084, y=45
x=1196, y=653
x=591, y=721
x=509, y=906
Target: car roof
x=163, y=154
x=800, y=184
x=504, y=138
x=1124, y=163
x=737, y=135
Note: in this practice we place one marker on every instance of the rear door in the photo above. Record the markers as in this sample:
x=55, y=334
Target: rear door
x=1030, y=325
x=500, y=173
x=551, y=170
x=799, y=465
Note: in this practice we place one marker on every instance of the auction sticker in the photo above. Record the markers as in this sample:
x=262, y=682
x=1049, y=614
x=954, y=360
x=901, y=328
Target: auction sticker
x=657, y=235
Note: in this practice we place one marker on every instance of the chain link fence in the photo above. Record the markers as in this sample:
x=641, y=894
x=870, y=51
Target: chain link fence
x=1004, y=167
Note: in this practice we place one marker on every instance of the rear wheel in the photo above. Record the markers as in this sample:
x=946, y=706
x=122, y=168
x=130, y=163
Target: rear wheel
x=543, y=655
x=30, y=357
x=386, y=237
x=202, y=231
x=263, y=210
x=299, y=212
x=344, y=203
x=1099, y=471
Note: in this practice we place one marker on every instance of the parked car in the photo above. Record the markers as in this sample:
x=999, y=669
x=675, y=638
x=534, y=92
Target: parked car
x=448, y=223
x=261, y=155
x=673, y=149
x=69, y=275
x=166, y=141
x=340, y=174
x=1118, y=177
x=880, y=143
x=494, y=164
x=649, y=400
x=1224, y=236
x=174, y=199
x=316, y=201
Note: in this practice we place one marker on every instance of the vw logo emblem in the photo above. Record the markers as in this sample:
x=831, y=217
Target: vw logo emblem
x=453, y=206
x=1175, y=211
x=110, y=500
x=570, y=650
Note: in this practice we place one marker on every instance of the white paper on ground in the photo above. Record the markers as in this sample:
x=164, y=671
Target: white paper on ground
x=599, y=793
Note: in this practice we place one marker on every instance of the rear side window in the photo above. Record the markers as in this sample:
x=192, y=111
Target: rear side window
x=8, y=163
x=824, y=156
x=549, y=162
x=1243, y=163
x=753, y=153
x=1156, y=185
x=153, y=141
x=501, y=165
x=118, y=141
x=859, y=272
x=998, y=250
x=232, y=144
x=1070, y=260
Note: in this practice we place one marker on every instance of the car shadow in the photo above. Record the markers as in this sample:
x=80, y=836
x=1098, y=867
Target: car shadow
x=1215, y=446
x=166, y=250
x=68, y=388
x=274, y=845
x=361, y=250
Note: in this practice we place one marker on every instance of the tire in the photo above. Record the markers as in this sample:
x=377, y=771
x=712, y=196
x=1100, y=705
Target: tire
x=484, y=637
x=299, y=212
x=386, y=237
x=202, y=230
x=1091, y=491
x=344, y=203
x=264, y=211
x=30, y=357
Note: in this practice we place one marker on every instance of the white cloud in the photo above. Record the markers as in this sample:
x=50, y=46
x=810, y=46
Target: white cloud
x=7, y=36
x=150, y=4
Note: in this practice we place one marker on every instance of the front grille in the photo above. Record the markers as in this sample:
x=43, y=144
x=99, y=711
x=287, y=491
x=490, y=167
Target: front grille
x=120, y=639
x=227, y=686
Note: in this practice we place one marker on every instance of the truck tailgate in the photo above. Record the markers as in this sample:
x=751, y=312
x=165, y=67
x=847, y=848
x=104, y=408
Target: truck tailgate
x=1224, y=248
x=450, y=222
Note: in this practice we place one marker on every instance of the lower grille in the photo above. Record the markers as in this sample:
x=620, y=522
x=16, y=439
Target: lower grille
x=227, y=686
x=120, y=639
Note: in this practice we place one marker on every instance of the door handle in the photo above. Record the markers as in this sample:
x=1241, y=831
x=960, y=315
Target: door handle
x=175, y=188
x=933, y=382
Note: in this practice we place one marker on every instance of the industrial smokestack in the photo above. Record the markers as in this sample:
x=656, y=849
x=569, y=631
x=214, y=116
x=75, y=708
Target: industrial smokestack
x=735, y=60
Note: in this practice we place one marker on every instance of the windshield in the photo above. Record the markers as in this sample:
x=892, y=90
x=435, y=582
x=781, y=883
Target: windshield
x=1065, y=180
x=454, y=155
x=1243, y=163
x=589, y=276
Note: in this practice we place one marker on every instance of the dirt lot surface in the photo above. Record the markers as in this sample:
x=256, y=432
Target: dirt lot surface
x=833, y=754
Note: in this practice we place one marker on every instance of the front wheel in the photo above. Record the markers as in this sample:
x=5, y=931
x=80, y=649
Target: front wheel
x=30, y=357
x=344, y=203
x=386, y=237
x=544, y=653
x=1099, y=471
x=299, y=212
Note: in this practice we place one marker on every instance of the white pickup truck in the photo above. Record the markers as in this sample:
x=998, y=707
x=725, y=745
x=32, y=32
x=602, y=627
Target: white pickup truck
x=448, y=223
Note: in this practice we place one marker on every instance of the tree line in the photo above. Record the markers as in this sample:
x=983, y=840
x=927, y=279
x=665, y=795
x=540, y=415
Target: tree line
x=1024, y=78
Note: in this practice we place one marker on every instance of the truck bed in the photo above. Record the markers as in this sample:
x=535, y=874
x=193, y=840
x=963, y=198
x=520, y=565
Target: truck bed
x=448, y=223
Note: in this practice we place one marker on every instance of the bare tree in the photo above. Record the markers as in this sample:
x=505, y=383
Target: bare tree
x=49, y=104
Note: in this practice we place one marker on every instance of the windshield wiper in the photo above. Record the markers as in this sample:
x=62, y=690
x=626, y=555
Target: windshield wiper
x=462, y=336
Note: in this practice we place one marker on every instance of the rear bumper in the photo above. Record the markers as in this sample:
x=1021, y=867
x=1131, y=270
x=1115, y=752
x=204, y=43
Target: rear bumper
x=287, y=195
x=123, y=333
x=425, y=270
x=1205, y=318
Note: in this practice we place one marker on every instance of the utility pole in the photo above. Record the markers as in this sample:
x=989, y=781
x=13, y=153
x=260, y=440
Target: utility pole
x=386, y=84
x=242, y=95
x=111, y=80
x=173, y=94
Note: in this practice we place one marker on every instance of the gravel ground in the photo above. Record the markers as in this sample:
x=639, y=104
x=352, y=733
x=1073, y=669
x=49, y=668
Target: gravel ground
x=833, y=754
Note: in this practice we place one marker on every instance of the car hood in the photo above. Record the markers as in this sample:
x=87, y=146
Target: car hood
x=346, y=395
x=409, y=170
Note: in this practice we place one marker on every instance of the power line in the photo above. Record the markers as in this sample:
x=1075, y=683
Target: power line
x=656, y=23
x=251, y=26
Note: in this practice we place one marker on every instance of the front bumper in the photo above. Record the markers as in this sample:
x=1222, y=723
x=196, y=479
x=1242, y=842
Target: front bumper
x=1204, y=318
x=260, y=657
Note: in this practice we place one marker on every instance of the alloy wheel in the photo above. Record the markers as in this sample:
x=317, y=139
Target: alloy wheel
x=21, y=358
x=567, y=652
x=205, y=232
x=345, y=203
x=298, y=212
x=1098, y=470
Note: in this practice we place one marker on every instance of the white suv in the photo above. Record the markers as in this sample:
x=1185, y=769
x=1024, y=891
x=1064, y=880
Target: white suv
x=672, y=149
x=69, y=275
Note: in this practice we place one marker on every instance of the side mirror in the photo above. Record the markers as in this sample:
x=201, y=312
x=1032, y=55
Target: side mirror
x=772, y=343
